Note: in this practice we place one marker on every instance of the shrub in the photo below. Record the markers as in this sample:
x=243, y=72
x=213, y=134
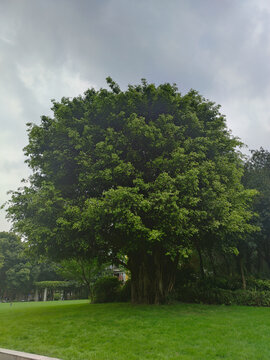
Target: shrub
x=226, y=283
x=224, y=290
x=106, y=289
x=125, y=292
x=185, y=276
x=258, y=284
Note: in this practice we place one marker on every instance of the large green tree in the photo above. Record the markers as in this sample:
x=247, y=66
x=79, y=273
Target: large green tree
x=140, y=177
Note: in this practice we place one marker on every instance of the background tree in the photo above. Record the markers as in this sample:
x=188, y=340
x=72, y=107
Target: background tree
x=144, y=175
x=15, y=271
x=19, y=271
x=83, y=271
x=257, y=176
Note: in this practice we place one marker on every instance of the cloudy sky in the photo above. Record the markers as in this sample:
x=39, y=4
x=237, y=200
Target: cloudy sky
x=55, y=48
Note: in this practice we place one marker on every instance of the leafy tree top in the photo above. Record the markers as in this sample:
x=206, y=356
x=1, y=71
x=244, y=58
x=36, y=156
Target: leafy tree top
x=137, y=173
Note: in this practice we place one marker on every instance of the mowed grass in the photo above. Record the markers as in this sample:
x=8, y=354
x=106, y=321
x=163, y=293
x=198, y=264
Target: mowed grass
x=77, y=330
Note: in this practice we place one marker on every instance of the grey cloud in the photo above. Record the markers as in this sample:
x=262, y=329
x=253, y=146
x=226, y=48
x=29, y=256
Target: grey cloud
x=50, y=49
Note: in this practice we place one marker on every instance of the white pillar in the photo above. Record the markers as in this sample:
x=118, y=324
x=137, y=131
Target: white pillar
x=45, y=295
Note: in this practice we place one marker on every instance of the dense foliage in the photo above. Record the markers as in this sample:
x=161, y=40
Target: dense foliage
x=143, y=177
x=106, y=289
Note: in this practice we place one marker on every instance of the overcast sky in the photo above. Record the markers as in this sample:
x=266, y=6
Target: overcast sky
x=55, y=48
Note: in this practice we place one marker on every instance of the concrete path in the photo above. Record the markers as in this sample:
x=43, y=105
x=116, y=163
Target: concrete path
x=18, y=355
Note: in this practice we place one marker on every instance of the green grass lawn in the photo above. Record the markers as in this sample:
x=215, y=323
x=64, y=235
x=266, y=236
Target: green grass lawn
x=77, y=330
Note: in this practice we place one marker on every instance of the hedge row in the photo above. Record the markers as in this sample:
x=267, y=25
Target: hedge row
x=110, y=289
x=226, y=297
x=232, y=283
x=56, y=284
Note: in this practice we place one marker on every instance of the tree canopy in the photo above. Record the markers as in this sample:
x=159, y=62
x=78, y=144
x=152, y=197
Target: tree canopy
x=140, y=177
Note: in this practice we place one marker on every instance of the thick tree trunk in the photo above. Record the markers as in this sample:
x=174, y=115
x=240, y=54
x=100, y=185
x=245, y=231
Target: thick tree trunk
x=244, y=284
x=259, y=262
x=211, y=257
x=152, y=277
x=201, y=262
x=87, y=283
x=228, y=265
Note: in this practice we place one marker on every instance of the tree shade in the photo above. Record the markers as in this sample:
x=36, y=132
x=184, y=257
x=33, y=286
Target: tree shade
x=140, y=177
